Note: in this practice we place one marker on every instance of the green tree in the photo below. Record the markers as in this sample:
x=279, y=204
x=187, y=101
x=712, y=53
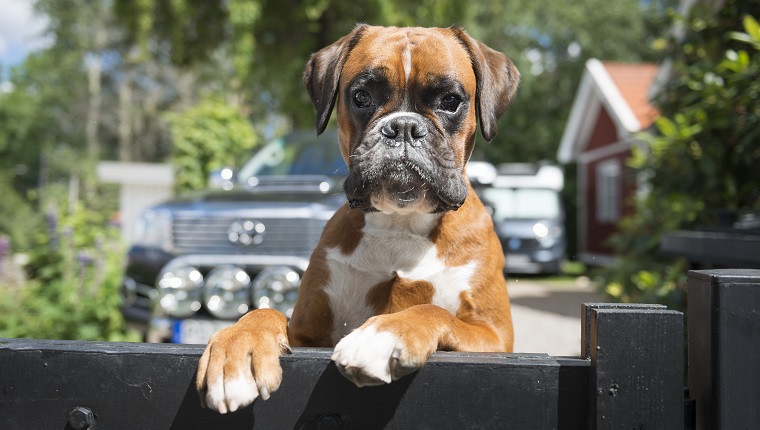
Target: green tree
x=702, y=162
x=18, y=219
x=38, y=119
x=208, y=137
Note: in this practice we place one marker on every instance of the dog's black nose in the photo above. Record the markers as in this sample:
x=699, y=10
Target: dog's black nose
x=404, y=128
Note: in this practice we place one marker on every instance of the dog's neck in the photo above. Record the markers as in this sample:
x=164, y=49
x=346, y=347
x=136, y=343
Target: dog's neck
x=421, y=224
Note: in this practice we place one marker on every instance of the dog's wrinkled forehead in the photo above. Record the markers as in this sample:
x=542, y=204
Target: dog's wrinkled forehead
x=410, y=56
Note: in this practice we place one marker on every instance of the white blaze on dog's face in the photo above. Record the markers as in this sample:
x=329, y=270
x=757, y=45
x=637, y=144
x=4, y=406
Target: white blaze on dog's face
x=407, y=104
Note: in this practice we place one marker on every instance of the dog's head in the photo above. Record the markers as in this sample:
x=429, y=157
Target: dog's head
x=409, y=100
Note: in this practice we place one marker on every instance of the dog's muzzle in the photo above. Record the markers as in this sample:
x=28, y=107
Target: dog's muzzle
x=404, y=163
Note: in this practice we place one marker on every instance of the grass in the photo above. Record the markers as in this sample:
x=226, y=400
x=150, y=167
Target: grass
x=568, y=277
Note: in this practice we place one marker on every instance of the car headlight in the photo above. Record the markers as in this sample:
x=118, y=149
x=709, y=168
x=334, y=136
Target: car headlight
x=227, y=292
x=547, y=234
x=540, y=230
x=179, y=291
x=153, y=229
x=277, y=288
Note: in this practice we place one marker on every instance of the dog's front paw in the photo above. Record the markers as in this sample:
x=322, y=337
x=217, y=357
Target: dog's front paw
x=374, y=354
x=241, y=362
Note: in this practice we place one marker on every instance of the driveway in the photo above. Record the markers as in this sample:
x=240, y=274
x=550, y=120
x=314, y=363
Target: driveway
x=546, y=313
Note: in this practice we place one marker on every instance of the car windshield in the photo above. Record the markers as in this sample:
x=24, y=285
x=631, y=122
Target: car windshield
x=525, y=203
x=289, y=157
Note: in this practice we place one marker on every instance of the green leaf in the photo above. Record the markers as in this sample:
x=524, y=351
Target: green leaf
x=752, y=28
x=666, y=126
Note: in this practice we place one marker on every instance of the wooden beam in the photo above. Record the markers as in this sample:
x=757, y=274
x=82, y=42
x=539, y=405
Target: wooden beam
x=637, y=364
x=152, y=386
x=724, y=347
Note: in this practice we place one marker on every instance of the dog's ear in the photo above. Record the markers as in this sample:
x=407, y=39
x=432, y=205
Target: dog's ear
x=497, y=80
x=322, y=74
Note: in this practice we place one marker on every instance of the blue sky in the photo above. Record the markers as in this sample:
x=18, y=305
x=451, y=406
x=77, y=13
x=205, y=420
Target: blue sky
x=20, y=31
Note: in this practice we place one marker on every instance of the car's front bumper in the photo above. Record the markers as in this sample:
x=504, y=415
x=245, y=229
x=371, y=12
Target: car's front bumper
x=542, y=260
x=143, y=312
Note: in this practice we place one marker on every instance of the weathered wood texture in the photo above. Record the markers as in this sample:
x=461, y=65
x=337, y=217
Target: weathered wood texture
x=586, y=320
x=151, y=386
x=724, y=348
x=636, y=376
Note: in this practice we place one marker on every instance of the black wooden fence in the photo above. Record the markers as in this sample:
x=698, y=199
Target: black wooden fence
x=630, y=376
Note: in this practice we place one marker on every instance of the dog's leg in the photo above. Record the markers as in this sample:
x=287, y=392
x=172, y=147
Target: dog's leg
x=241, y=362
x=389, y=346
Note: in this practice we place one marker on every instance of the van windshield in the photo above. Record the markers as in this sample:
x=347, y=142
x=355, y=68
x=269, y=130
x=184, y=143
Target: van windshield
x=309, y=156
x=525, y=203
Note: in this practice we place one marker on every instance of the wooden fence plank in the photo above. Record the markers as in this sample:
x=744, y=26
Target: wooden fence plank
x=636, y=376
x=587, y=308
x=463, y=391
x=724, y=348
x=125, y=385
x=573, y=408
x=151, y=386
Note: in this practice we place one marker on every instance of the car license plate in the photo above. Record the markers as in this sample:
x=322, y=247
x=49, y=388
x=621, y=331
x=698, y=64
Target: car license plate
x=517, y=259
x=521, y=263
x=196, y=331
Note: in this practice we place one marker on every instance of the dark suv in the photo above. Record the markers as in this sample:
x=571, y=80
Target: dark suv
x=201, y=261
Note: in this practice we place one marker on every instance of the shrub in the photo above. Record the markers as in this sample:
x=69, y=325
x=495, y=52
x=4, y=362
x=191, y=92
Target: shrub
x=18, y=220
x=73, y=287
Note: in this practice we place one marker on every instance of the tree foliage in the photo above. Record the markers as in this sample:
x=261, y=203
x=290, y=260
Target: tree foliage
x=710, y=127
x=73, y=286
x=703, y=161
x=38, y=122
x=208, y=137
x=18, y=219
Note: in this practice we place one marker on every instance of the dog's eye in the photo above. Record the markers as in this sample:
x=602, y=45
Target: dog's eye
x=450, y=102
x=363, y=99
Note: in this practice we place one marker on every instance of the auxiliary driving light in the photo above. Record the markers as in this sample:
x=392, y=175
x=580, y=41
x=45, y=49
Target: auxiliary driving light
x=179, y=290
x=277, y=288
x=227, y=292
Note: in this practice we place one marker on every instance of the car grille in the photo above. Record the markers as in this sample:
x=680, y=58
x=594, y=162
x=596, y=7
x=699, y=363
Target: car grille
x=283, y=236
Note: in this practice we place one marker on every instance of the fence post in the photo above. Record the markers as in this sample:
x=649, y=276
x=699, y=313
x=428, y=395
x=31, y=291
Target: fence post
x=586, y=309
x=724, y=347
x=636, y=376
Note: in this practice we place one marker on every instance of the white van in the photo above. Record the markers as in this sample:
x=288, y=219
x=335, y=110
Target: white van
x=528, y=216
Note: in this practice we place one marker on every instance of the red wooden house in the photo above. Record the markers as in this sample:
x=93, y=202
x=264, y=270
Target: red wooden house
x=611, y=107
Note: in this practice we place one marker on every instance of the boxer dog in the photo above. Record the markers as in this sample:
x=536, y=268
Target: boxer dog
x=411, y=263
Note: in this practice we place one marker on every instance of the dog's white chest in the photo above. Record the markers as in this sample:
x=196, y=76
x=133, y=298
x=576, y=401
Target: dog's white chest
x=388, y=249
